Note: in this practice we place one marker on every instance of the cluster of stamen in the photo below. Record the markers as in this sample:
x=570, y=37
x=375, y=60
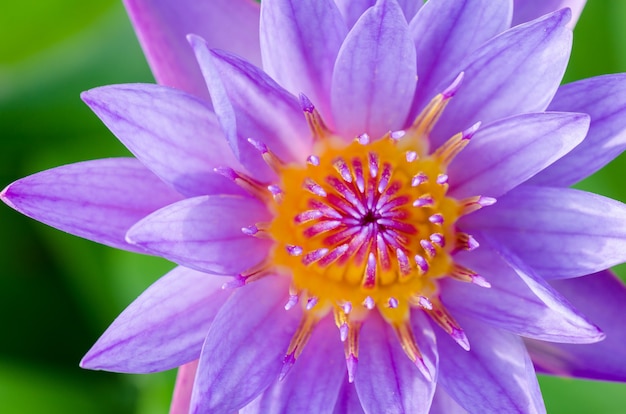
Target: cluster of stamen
x=365, y=226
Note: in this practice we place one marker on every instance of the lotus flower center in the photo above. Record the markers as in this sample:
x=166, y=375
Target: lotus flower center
x=365, y=223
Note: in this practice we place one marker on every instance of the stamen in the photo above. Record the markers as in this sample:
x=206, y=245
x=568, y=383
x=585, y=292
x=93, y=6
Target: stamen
x=429, y=249
x=427, y=119
x=277, y=193
x=363, y=139
x=314, y=188
x=343, y=332
x=314, y=256
x=347, y=308
x=422, y=264
x=249, y=184
x=358, y=173
x=343, y=170
x=418, y=179
x=373, y=164
x=411, y=156
x=425, y=200
x=314, y=160
x=464, y=274
x=469, y=205
x=334, y=254
x=318, y=128
x=438, y=239
x=442, y=179
x=436, y=219
x=393, y=303
x=351, y=347
x=396, y=135
x=294, y=250
x=441, y=316
x=465, y=241
x=298, y=341
x=268, y=156
x=403, y=263
x=293, y=301
x=384, y=178
x=409, y=345
x=369, y=278
x=311, y=302
x=369, y=303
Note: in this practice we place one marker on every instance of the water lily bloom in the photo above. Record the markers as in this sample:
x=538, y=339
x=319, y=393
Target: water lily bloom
x=368, y=204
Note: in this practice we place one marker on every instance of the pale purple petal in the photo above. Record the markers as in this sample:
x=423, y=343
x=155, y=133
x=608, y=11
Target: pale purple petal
x=174, y=134
x=386, y=379
x=182, y=390
x=162, y=25
x=518, y=300
x=348, y=401
x=526, y=10
x=98, y=200
x=604, y=99
x=249, y=104
x=602, y=297
x=204, y=233
x=163, y=328
x=299, y=44
x=447, y=31
x=353, y=9
x=313, y=383
x=508, y=152
x=244, y=348
x=560, y=232
x=444, y=404
x=516, y=72
x=374, y=77
x=496, y=374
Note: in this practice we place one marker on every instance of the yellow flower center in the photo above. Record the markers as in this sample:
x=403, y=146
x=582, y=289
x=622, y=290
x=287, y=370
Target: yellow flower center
x=365, y=224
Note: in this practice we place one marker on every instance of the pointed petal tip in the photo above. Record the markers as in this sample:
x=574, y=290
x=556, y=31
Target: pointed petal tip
x=351, y=364
x=5, y=197
x=460, y=338
x=288, y=362
x=305, y=103
x=451, y=90
x=421, y=365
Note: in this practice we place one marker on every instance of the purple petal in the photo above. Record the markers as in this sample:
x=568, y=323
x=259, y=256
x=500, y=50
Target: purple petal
x=297, y=52
x=516, y=72
x=348, y=401
x=496, y=374
x=560, y=232
x=444, y=404
x=243, y=351
x=508, y=152
x=604, y=99
x=603, y=298
x=353, y=9
x=374, y=77
x=183, y=388
x=163, y=328
x=162, y=25
x=447, y=31
x=174, y=134
x=98, y=200
x=314, y=382
x=526, y=10
x=249, y=104
x=204, y=233
x=387, y=380
x=518, y=300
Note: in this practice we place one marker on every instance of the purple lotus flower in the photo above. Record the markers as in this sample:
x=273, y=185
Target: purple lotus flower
x=347, y=206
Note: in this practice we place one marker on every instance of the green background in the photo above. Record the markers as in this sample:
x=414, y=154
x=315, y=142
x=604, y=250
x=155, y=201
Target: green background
x=57, y=292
